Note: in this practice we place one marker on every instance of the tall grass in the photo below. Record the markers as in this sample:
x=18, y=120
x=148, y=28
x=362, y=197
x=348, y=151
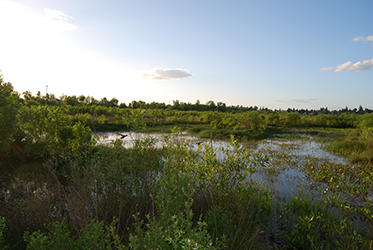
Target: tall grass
x=173, y=190
x=178, y=198
x=356, y=144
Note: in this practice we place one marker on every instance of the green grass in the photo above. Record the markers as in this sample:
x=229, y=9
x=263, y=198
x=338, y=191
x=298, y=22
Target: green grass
x=356, y=144
x=175, y=198
x=307, y=224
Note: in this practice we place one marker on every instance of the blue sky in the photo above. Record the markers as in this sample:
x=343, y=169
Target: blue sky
x=274, y=54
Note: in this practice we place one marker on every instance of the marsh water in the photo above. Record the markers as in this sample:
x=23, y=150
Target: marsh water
x=285, y=178
x=304, y=146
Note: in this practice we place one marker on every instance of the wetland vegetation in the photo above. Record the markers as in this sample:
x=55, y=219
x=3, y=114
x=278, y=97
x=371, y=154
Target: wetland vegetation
x=60, y=189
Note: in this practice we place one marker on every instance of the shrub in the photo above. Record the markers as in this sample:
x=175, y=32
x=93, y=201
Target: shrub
x=2, y=232
x=59, y=237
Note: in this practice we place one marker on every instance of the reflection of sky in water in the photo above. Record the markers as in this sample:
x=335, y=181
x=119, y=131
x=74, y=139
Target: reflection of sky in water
x=292, y=147
x=106, y=138
x=301, y=148
x=285, y=181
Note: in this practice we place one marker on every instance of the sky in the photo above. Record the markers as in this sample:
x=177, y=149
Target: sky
x=269, y=53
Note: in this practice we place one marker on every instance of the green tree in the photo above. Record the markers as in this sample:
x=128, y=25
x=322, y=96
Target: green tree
x=70, y=100
x=176, y=104
x=211, y=105
x=49, y=132
x=134, y=105
x=9, y=105
x=82, y=99
x=221, y=107
x=292, y=118
x=104, y=102
x=113, y=102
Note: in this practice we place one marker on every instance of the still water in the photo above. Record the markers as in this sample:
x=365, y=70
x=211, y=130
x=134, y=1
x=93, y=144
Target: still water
x=285, y=178
x=300, y=147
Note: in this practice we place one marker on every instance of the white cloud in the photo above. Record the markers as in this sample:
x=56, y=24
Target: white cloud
x=355, y=67
x=363, y=39
x=59, y=19
x=305, y=100
x=167, y=74
x=309, y=100
x=326, y=69
x=349, y=66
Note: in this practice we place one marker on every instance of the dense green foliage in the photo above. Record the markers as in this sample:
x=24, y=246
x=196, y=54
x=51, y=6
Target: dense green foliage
x=31, y=130
x=61, y=190
x=110, y=197
x=82, y=100
x=9, y=106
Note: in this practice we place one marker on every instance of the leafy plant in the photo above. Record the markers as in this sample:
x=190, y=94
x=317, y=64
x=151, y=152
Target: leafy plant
x=94, y=236
x=9, y=106
x=2, y=232
x=172, y=226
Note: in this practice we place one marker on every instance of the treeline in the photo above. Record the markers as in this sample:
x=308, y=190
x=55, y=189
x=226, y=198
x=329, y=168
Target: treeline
x=107, y=114
x=39, y=126
x=52, y=100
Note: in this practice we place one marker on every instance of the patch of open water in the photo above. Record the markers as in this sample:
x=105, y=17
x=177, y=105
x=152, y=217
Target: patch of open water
x=285, y=179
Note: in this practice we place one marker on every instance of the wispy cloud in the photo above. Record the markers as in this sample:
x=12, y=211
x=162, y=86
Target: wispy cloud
x=363, y=39
x=59, y=19
x=167, y=74
x=351, y=67
x=326, y=68
x=306, y=100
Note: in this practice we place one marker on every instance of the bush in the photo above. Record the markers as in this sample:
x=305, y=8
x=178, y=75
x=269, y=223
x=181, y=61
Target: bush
x=9, y=106
x=48, y=132
x=59, y=237
x=2, y=232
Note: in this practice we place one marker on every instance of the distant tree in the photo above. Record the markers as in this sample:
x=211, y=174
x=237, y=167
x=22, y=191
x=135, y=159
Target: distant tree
x=185, y=106
x=91, y=100
x=29, y=99
x=122, y=105
x=176, y=104
x=162, y=105
x=104, y=102
x=143, y=105
x=197, y=105
x=153, y=105
x=344, y=110
x=82, y=99
x=368, y=111
x=63, y=97
x=52, y=100
x=211, y=105
x=113, y=102
x=324, y=111
x=221, y=107
x=361, y=110
x=156, y=105
x=71, y=100
x=39, y=98
x=27, y=95
x=134, y=105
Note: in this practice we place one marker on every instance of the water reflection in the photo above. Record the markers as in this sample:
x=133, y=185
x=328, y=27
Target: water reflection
x=283, y=176
x=294, y=147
